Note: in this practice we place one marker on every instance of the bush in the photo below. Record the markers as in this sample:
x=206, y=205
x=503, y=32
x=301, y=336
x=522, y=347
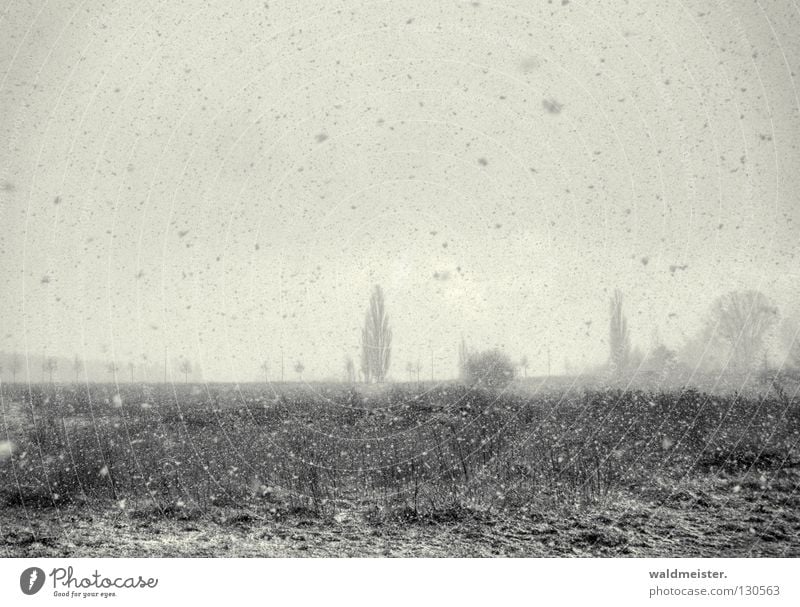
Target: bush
x=491, y=369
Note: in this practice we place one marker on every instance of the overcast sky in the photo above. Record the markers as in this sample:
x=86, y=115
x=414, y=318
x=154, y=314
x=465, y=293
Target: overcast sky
x=229, y=179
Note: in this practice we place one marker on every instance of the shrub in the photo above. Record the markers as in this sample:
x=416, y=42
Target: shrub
x=490, y=369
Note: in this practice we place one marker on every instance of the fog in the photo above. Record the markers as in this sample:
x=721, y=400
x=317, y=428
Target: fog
x=181, y=182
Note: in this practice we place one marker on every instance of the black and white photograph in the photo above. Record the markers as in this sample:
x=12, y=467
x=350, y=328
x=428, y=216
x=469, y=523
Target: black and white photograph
x=414, y=279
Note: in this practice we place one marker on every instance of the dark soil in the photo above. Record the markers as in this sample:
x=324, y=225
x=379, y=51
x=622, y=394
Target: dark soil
x=707, y=517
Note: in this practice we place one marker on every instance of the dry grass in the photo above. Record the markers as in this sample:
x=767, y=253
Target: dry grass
x=599, y=471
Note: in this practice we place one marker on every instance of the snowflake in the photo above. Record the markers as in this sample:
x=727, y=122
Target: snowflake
x=6, y=449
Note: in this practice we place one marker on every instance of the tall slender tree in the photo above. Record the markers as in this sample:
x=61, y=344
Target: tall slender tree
x=376, y=339
x=463, y=357
x=365, y=373
x=619, y=339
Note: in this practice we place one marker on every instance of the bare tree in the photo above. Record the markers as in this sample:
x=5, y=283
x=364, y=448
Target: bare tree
x=376, y=339
x=143, y=365
x=349, y=370
x=77, y=368
x=131, y=368
x=766, y=373
x=524, y=364
x=265, y=368
x=794, y=356
x=790, y=333
x=16, y=363
x=185, y=367
x=739, y=322
x=413, y=369
x=299, y=368
x=619, y=339
x=50, y=365
x=113, y=369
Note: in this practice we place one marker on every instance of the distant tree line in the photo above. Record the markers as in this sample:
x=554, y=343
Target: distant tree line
x=735, y=337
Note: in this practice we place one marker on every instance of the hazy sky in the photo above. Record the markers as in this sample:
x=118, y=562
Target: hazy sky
x=229, y=179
